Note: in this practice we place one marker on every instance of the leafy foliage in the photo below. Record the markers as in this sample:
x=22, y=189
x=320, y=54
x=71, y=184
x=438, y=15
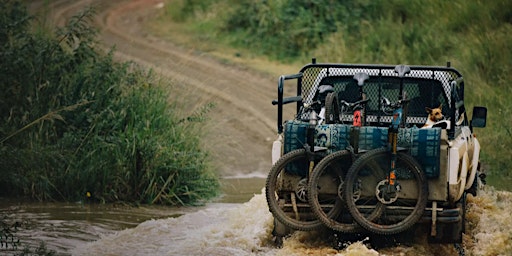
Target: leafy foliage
x=76, y=123
x=182, y=10
x=474, y=36
x=284, y=28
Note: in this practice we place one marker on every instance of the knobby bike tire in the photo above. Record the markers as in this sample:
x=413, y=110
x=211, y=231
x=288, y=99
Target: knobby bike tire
x=326, y=186
x=362, y=183
x=279, y=199
x=324, y=189
x=332, y=109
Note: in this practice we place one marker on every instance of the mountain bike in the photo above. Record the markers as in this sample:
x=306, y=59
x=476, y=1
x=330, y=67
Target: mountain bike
x=326, y=184
x=286, y=184
x=388, y=178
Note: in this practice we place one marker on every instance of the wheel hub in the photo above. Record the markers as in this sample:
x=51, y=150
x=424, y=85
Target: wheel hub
x=302, y=190
x=386, y=193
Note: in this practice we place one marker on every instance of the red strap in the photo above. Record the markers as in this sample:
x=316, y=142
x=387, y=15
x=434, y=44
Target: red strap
x=357, y=118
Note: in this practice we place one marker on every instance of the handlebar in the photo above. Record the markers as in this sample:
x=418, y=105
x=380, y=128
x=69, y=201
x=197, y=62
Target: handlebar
x=312, y=104
x=386, y=103
x=389, y=107
x=354, y=104
x=308, y=112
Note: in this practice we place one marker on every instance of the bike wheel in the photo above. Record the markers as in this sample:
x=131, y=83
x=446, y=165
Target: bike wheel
x=325, y=190
x=285, y=188
x=366, y=188
x=332, y=109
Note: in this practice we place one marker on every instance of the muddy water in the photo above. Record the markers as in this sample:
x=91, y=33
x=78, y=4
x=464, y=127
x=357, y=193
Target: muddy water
x=222, y=228
x=245, y=229
x=64, y=226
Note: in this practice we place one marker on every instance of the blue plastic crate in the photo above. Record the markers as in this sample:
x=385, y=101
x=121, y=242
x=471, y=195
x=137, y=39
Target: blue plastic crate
x=422, y=144
x=294, y=135
x=372, y=137
x=334, y=137
x=425, y=146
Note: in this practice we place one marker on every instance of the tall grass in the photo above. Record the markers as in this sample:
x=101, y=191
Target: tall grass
x=473, y=35
x=76, y=125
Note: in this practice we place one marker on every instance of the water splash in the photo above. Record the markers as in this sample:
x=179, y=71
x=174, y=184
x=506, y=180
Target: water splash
x=245, y=229
x=490, y=223
x=222, y=229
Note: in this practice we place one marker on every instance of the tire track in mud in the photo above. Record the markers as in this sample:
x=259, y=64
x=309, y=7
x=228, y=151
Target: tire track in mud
x=242, y=125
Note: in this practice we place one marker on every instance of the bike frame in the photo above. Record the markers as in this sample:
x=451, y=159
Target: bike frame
x=310, y=141
x=393, y=142
x=396, y=123
x=359, y=118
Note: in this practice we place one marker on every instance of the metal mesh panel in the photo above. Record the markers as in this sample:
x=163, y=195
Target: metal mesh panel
x=425, y=86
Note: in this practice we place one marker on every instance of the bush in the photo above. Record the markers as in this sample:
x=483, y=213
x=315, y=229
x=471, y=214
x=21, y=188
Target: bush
x=284, y=29
x=474, y=36
x=76, y=123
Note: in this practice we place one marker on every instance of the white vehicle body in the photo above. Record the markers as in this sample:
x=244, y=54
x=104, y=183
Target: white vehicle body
x=456, y=149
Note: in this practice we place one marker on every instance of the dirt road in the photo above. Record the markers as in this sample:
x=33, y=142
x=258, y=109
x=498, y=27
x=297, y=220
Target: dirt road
x=242, y=125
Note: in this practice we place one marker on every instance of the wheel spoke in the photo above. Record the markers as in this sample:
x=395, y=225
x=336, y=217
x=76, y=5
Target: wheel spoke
x=326, y=192
x=286, y=191
x=402, y=205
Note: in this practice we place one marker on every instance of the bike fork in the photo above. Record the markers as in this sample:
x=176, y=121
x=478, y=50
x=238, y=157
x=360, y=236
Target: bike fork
x=393, y=185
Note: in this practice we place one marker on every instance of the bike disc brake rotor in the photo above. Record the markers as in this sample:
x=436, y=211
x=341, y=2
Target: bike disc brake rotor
x=385, y=193
x=340, y=189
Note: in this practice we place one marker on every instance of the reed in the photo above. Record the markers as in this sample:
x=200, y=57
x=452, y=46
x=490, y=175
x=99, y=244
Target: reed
x=78, y=126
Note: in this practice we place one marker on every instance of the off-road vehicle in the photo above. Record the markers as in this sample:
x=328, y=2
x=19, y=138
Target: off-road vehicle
x=355, y=157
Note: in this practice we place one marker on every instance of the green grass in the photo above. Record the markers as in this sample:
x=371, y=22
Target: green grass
x=76, y=125
x=473, y=35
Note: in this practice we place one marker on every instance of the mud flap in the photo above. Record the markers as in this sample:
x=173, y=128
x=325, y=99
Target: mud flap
x=451, y=233
x=280, y=231
x=447, y=233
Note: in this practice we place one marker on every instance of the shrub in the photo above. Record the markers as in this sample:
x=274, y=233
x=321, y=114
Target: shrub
x=76, y=123
x=474, y=36
x=284, y=29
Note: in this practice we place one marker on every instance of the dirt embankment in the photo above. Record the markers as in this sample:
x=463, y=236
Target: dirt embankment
x=241, y=126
